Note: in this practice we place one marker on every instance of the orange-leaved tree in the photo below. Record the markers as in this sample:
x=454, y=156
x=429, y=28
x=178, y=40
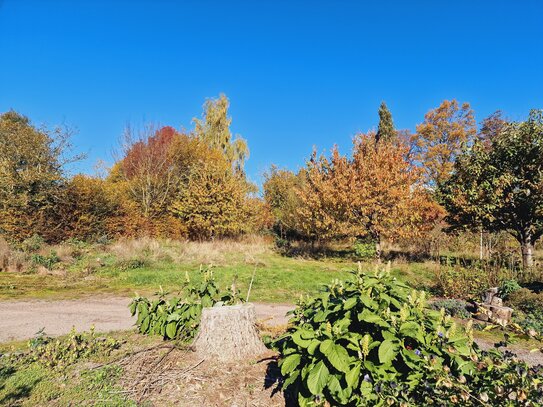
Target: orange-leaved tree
x=376, y=193
x=440, y=138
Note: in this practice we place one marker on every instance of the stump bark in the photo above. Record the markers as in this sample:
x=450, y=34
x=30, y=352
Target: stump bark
x=229, y=333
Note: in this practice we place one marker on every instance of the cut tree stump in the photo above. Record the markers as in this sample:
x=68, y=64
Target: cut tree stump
x=229, y=333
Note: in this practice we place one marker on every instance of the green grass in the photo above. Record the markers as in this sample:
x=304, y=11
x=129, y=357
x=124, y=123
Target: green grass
x=24, y=383
x=277, y=278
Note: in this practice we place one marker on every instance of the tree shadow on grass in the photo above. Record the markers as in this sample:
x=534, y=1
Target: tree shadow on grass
x=12, y=393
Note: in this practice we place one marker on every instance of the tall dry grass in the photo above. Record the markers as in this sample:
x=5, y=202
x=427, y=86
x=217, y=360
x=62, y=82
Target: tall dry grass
x=215, y=252
x=11, y=260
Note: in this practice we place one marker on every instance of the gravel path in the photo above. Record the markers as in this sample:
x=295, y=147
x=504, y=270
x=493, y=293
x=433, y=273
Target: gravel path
x=20, y=320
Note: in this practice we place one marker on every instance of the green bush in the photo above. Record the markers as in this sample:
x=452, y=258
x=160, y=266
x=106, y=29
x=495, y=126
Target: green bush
x=528, y=309
x=371, y=341
x=452, y=307
x=61, y=352
x=508, y=287
x=32, y=244
x=179, y=318
x=46, y=261
x=364, y=250
x=526, y=300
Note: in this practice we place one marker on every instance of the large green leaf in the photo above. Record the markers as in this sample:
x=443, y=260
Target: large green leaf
x=353, y=376
x=370, y=317
x=171, y=329
x=350, y=303
x=336, y=354
x=387, y=351
x=301, y=339
x=413, y=330
x=290, y=363
x=317, y=378
x=341, y=394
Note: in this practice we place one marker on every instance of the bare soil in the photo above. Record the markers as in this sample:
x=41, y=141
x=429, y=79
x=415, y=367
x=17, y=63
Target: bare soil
x=177, y=377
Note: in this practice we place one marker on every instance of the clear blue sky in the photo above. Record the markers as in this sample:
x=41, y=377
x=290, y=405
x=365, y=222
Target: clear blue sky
x=298, y=74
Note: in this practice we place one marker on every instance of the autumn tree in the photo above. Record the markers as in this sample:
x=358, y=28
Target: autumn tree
x=441, y=137
x=386, y=130
x=385, y=197
x=148, y=168
x=376, y=193
x=87, y=208
x=214, y=203
x=32, y=162
x=498, y=183
x=280, y=195
x=319, y=213
x=214, y=130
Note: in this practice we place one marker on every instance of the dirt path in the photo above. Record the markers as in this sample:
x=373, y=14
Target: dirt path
x=20, y=320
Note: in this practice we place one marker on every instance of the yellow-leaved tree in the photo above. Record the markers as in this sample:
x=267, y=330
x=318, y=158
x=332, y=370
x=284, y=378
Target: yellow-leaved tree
x=215, y=200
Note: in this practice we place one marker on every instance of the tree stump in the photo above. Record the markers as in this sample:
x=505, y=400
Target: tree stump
x=229, y=333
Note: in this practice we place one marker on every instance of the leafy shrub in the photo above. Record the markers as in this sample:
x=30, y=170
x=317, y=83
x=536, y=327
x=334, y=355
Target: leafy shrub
x=452, y=307
x=33, y=243
x=62, y=352
x=460, y=282
x=528, y=307
x=526, y=300
x=508, y=287
x=178, y=318
x=46, y=261
x=364, y=250
x=371, y=341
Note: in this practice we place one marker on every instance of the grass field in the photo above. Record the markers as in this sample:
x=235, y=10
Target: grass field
x=144, y=265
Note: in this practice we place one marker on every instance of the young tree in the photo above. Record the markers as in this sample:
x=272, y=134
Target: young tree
x=498, y=184
x=280, y=195
x=440, y=139
x=214, y=130
x=320, y=213
x=384, y=195
x=215, y=202
x=386, y=130
x=376, y=194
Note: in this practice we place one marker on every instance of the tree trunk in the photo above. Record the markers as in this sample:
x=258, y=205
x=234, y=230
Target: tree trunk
x=229, y=333
x=378, y=250
x=481, y=245
x=527, y=249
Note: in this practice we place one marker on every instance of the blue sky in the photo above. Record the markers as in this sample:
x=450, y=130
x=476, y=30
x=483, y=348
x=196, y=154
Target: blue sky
x=298, y=74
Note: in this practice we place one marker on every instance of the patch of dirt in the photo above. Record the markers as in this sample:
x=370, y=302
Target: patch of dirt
x=163, y=377
x=531, y=358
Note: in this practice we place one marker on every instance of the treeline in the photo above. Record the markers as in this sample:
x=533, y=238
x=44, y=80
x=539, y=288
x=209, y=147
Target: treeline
x=393, y=185
x=166, y=183
x=450, y=175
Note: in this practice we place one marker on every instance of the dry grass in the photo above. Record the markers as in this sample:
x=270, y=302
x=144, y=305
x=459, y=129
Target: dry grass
x=219, y=252
x=11, y=260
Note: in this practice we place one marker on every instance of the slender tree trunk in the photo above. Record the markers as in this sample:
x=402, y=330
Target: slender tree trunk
x=481, y=245
x=378, y=250
x=527, y=249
